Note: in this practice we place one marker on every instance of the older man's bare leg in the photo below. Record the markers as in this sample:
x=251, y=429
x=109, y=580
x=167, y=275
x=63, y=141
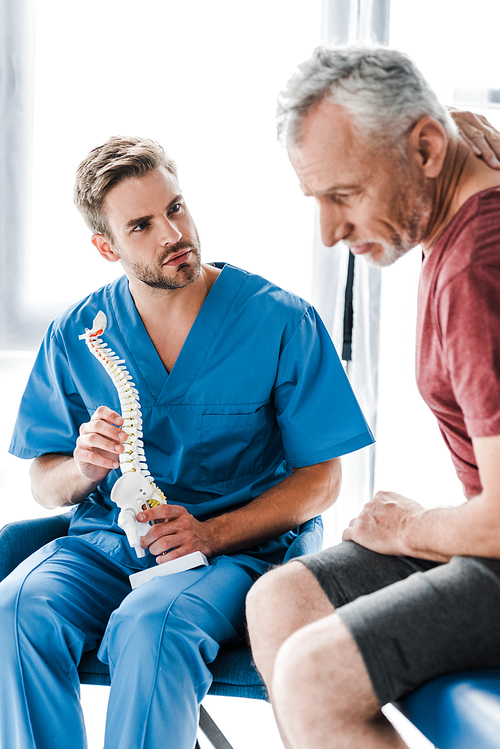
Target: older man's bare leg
x=314, y=673
x=322, y=694
x=281, y=602
x=278, y=604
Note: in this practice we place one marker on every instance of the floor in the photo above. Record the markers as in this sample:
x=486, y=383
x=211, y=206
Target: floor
x=246, y=723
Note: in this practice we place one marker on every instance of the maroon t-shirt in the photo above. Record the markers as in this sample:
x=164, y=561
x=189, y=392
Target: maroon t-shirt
x=458, y=331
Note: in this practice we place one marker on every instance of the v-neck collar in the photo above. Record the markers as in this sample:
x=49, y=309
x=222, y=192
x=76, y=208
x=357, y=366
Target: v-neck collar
x=156, y=381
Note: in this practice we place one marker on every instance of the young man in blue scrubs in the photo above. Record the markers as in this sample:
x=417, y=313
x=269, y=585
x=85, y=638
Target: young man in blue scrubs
x=246, y=410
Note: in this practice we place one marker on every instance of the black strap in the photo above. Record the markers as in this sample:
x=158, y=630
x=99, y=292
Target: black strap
x=348, y=311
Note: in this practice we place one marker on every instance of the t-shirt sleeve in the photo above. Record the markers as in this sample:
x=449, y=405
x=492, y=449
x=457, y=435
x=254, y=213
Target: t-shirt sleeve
x=317, y=412
x=470, y=320
x=51, y=410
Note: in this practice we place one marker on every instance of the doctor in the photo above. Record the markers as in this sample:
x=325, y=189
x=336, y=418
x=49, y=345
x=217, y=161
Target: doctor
x=246, y=410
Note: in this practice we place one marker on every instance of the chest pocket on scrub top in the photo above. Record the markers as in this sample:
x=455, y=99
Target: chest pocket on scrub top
x=232, y=446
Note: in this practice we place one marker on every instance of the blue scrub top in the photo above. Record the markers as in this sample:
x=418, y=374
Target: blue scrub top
x=256, y=390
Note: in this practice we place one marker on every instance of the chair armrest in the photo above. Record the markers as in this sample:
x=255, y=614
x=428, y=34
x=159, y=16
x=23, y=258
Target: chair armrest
x=20, y=539
x=308, y=541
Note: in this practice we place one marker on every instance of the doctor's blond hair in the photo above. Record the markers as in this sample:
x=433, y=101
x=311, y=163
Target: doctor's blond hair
x=381, y=88
x=117, y=159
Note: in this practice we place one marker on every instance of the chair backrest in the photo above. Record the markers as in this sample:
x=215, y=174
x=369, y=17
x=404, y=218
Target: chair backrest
x=20, y=539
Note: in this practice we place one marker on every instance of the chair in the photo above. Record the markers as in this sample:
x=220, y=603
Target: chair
x=234, y=674
x=458, y=711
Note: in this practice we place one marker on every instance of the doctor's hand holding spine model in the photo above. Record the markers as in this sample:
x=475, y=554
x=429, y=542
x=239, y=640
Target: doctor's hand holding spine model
x=245, y=411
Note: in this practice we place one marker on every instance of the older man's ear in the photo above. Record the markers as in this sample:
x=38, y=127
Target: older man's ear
x=429, y=142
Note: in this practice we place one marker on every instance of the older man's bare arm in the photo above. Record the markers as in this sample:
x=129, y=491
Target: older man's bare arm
x=393, y=524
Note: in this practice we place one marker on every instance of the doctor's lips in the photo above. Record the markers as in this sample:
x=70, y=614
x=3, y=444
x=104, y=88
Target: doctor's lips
x=178, y=257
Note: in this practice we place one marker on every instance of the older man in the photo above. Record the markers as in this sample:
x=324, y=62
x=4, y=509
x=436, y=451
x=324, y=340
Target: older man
x=411, y=593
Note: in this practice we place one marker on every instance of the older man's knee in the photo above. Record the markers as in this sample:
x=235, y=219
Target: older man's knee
x=322, y=662
x=284, y=600
x=278, y=596
x=294, y=657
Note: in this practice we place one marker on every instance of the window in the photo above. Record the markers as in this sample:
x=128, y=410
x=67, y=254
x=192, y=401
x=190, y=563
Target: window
x=202, y=79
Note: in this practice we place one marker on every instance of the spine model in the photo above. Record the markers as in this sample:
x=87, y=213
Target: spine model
x=135, y=489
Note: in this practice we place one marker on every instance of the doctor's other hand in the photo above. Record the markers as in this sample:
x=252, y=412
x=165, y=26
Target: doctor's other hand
x=99, y=444
x=382, y=522
x=479, y=134
x=175, y=531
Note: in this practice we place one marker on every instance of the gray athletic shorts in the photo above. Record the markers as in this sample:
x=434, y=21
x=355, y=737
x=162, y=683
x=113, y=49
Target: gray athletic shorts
x=413, y=619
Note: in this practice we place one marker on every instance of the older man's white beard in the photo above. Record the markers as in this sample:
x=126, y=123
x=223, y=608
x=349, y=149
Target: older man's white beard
x=414, y=223
x=387, y=257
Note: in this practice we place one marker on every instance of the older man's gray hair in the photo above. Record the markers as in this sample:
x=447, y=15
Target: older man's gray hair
x=380, y=87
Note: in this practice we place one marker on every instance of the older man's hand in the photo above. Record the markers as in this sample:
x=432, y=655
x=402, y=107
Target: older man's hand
x=382, y=523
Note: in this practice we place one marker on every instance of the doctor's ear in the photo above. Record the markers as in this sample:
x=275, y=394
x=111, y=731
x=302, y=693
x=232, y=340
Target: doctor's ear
x=105, y=248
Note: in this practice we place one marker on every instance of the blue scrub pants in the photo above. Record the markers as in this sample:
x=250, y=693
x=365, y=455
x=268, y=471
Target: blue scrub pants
x=156, y=639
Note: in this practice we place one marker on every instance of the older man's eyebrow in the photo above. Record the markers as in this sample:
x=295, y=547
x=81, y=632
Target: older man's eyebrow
x=329, y=190
x=142, y=219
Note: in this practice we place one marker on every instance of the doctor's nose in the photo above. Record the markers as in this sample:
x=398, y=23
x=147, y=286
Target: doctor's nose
x=333, y=225
x=169, y=233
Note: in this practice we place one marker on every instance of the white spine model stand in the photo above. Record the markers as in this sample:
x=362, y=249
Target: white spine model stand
x=135, y=489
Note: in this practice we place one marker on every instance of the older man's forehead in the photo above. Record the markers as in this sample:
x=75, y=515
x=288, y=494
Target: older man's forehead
x=327, y=120
x=330, y=154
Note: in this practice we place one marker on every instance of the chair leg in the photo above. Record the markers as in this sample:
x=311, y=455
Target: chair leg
x=212, y=731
